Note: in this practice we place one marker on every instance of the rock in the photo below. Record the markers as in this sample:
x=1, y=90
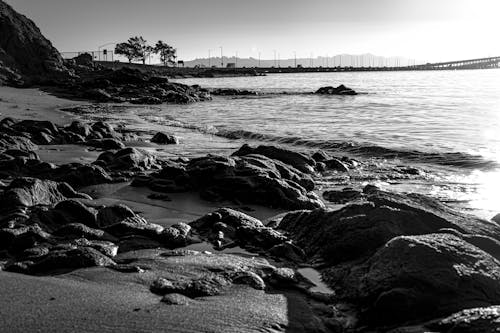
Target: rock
x=163, y=138
x=476, y=320
x=340, y=90
x=26, y=56
x=175, y=236
x=98, y=95
x=135, y=226
x=237, y=228
x=80, y=128
x=16, y=142
x=415, y=277
x=176, y=299
x=249, y=278
x=72, y=211
x=77, y=174
x=106, y=144
x=79, y=230
x=337, y=165
x=128, y=159
x=71, y=259
x=84, y=59
x=297, y=160
x=358, y=230
x=233, y=92
x=496, y=219
x=31, y=192
x=108, y=216
x=347, y=194
x=209, y=285
x=320, y=156
x=147, y=100
x=105, y=247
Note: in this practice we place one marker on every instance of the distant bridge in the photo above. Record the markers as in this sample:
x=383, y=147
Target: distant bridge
x=481, y=63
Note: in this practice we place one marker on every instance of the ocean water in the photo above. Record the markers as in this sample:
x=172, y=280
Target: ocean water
x=444, y=122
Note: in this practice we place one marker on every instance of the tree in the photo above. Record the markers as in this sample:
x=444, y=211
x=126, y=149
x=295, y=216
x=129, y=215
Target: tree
x=126, y=50
x=167, y=53
x=135, y=48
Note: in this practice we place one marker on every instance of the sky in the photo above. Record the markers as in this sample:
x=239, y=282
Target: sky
x=431, y=30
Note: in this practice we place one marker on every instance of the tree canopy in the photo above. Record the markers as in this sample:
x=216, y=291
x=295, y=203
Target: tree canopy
x=137, y=49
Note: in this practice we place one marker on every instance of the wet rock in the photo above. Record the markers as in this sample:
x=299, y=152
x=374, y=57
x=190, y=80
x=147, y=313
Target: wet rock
x=250, y=279
x=340, y=90
x=320, y=156
x=77, y=174
x=209, y=285
x=297, y=160
x=358, y=230
x=105, y=247
x=232, y=92
x=71, y=259
x=347, y=194
x=176, y=235
x=496, y=219
x=415, y=277
x=128, y=159
x=176, y=299
x=238, y=228
x=98, y=95
x=72, y=211
x=135, y=226
x=163, y=138
x=80, y=128
x=79, y=230
x=137, y=242
x=106, y=144
x=337, y=165
x=16, y=142
x=476, y=320
x=111, y=215
x=31, y=192
x=146, y=100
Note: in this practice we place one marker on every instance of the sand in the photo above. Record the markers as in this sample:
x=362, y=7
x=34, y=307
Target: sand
x=102, y=300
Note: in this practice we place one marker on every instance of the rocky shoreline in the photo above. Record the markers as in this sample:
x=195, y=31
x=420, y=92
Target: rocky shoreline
x=377, y=262
x=390, y=260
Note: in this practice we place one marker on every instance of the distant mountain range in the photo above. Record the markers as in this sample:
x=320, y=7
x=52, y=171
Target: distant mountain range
x=362, y=60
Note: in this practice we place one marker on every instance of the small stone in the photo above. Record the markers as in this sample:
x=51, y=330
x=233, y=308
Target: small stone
x=176, y=299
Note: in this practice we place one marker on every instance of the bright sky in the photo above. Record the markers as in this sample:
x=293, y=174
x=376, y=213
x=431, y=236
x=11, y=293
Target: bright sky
x=432, y=30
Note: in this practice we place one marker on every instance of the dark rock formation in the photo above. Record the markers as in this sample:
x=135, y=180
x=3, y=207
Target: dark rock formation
x=340, y=90
x=227, y=228
x=345, y=195
x=360, y=229
x=233, y=92
x=165, y=139
x=415, y=277
x=130, y=159
x=26, y=56
x=297, y=160
x=247, y=179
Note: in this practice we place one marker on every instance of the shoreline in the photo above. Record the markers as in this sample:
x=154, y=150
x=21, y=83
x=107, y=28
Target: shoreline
x=255, y=280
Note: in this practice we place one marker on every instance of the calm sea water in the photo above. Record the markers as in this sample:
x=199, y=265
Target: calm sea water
x=445, y=121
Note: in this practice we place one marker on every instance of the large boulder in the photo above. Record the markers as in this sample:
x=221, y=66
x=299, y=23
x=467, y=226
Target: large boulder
x=29, y=192
x=26, y=56
x=340, y=90
x=359, y=229
x=297, y=160
x=418, y=277
x=476, y=320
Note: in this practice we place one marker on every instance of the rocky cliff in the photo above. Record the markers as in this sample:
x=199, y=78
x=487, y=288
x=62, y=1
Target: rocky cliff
x=26, y=56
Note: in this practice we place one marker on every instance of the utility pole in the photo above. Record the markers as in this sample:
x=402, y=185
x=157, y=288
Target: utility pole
x=279, y=60
x=295, y=56
x=221, y=58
